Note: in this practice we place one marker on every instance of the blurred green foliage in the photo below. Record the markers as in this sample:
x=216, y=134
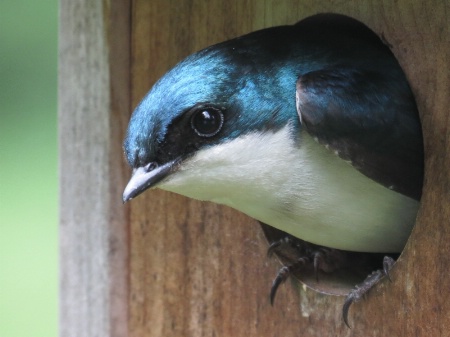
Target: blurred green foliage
x=28, y=168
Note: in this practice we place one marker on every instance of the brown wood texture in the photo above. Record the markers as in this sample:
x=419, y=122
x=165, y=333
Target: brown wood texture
x=93, y=101
x=165, y=265
x=198, y=269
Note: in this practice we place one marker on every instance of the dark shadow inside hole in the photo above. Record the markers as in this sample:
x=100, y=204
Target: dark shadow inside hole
x=356, y=267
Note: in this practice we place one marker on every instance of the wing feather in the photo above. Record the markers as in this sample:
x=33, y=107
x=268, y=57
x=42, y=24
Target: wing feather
x=369, y=118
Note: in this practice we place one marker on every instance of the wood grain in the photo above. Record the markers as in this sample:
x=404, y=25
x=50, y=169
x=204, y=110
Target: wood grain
x=93, y=101
x=200, y=270
x=165, y=265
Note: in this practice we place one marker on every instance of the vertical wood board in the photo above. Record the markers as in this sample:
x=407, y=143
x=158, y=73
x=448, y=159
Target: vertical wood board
x=200, y=269
x=93, y=108
x=165, y=265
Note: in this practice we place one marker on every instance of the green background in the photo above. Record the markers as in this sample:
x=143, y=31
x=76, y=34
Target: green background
x=28, y=169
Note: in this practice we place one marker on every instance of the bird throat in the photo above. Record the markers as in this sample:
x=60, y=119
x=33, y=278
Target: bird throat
x=299, y=187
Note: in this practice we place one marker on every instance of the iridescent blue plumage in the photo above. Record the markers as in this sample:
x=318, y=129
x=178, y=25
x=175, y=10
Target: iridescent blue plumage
x=326, y=78
x=311, y=129
x=228, y=74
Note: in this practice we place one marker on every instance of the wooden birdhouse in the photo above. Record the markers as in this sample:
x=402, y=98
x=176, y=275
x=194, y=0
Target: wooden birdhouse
x=165, y=265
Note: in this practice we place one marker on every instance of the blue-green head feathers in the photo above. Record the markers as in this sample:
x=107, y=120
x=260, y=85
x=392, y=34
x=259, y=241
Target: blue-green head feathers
x=229, y=75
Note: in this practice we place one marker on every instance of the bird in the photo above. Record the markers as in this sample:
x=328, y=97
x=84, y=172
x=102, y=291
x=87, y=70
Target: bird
x=310, y=128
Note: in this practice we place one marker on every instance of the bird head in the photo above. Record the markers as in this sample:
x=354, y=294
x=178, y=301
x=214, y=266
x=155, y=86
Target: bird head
x=221, y=94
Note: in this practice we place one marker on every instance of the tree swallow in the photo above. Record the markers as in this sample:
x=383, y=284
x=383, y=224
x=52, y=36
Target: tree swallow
x=310, y=128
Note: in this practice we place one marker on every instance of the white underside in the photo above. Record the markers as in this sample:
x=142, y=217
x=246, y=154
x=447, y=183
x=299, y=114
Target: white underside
x=306, y=191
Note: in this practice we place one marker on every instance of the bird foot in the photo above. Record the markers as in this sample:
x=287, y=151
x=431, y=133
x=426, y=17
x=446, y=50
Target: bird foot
x=360, y=290
x=305, y=256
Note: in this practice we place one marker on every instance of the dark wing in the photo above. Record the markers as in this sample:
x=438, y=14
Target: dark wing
x=369, y=118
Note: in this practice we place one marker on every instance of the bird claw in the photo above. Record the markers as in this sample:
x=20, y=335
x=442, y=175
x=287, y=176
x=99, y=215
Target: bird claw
x=388, y=263
x=274, y=246
x=360, y=290
x=303, y=255
x=282, y=276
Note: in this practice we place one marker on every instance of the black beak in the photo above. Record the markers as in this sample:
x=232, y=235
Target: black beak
x=145, y=177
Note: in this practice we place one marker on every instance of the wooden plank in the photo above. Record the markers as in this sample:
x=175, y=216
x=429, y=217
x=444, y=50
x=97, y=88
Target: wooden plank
x=93, y=104
x=198, y=269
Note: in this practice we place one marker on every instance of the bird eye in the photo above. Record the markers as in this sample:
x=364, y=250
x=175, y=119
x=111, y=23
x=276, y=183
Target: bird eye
x=207, y=122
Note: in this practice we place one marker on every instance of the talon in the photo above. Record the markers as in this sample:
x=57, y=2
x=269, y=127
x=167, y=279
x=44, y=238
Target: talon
x=348, y=302
x=282, y=276
x=388, y=263
x=352, y=297
x=275, y=245
x=359, y=291
x=318, y=258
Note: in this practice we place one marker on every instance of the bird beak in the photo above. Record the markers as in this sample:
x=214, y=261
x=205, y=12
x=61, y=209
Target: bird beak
x=145, y=177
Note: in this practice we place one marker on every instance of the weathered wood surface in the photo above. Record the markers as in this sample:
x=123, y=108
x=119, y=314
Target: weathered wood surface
x=94, y=99
x=198, y=269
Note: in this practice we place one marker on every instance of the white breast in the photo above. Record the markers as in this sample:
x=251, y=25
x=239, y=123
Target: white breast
x=304, y=190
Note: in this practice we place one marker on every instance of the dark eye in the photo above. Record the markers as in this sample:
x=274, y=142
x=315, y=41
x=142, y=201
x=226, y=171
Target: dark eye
x=207, y=122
